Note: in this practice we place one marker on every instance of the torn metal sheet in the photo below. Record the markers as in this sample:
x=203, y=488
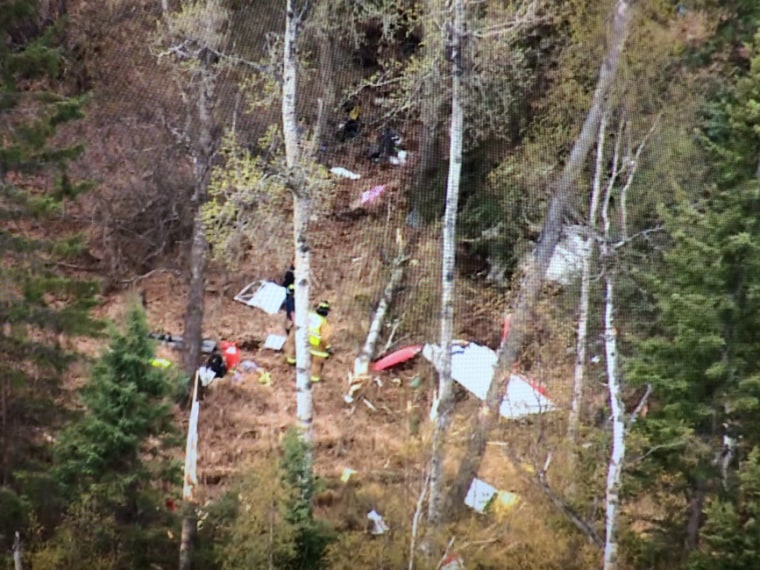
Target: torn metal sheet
x=264, y=295
x=275, y=342
x=480, y=495
x=472, y=365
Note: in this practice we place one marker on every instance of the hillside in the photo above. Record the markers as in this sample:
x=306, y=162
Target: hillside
x=131, y=130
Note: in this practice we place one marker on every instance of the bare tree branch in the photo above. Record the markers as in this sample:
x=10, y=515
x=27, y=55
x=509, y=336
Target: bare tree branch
x=640, y=406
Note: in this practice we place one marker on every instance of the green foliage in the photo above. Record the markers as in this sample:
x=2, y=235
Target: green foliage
x=311, y=536
x=40, y=306
x=275, y=525
x=249, y=202
x=125, y=403
x=704, y=363
x=731, y=535
x=107, y=460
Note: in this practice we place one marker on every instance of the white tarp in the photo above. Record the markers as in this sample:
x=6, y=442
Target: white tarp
x=268, y=296
x=472, y=366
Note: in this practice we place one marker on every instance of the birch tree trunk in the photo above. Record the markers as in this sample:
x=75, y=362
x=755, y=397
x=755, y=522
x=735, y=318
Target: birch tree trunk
x=361, y=363
x=583, y=304
x=617, y=452
x=17, y=553
x=530, y=287
x=301, y=213
x=445, y=383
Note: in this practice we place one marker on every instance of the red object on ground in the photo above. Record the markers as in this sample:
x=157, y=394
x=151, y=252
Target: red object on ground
x=231, y=354
x=397, y=357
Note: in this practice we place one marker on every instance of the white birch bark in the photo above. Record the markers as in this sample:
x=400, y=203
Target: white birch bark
x=445, y=383
x=301, y=213
x=361, y=363
x=617, y=451
x=190, y=481
x=530, y=287
x=17, y=553
x=583, y=304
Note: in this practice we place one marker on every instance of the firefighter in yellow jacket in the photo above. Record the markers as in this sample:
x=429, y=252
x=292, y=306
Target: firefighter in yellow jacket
x=320, y=346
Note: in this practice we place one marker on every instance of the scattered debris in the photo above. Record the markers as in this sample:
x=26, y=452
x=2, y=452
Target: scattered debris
x=265, y=378
x=369, y=404
x=231, y=354
x=345, y=477
x=275, y=342
x=483, y=497
x=268, y=296
x=162, y=363
x=248, y=366
x=504, y=502
x=378, y=524
x=472, y=365
x=452, y=562
x=399, y=159
x=207, y=375
x=369, y=196
x=175, y=342
x=397, y=357
x=345, y=173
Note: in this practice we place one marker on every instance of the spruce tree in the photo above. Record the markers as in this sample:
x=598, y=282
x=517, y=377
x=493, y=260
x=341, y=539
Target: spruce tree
x=109, y=460
x=39, y=304
x=704, y=365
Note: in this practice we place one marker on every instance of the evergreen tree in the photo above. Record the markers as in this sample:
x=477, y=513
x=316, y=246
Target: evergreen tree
x=705, y=363
x=38, y=303
x=108, y=458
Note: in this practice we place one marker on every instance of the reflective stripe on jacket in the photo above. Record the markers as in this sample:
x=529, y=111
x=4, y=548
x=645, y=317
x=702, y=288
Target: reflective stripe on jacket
x=315, y=329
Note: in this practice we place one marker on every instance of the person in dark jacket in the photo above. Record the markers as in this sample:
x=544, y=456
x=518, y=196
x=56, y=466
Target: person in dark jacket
x=215, y=367
x=289, y=304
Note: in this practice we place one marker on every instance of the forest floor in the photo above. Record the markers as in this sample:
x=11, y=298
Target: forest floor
x=382, y=435
x=385, y=441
